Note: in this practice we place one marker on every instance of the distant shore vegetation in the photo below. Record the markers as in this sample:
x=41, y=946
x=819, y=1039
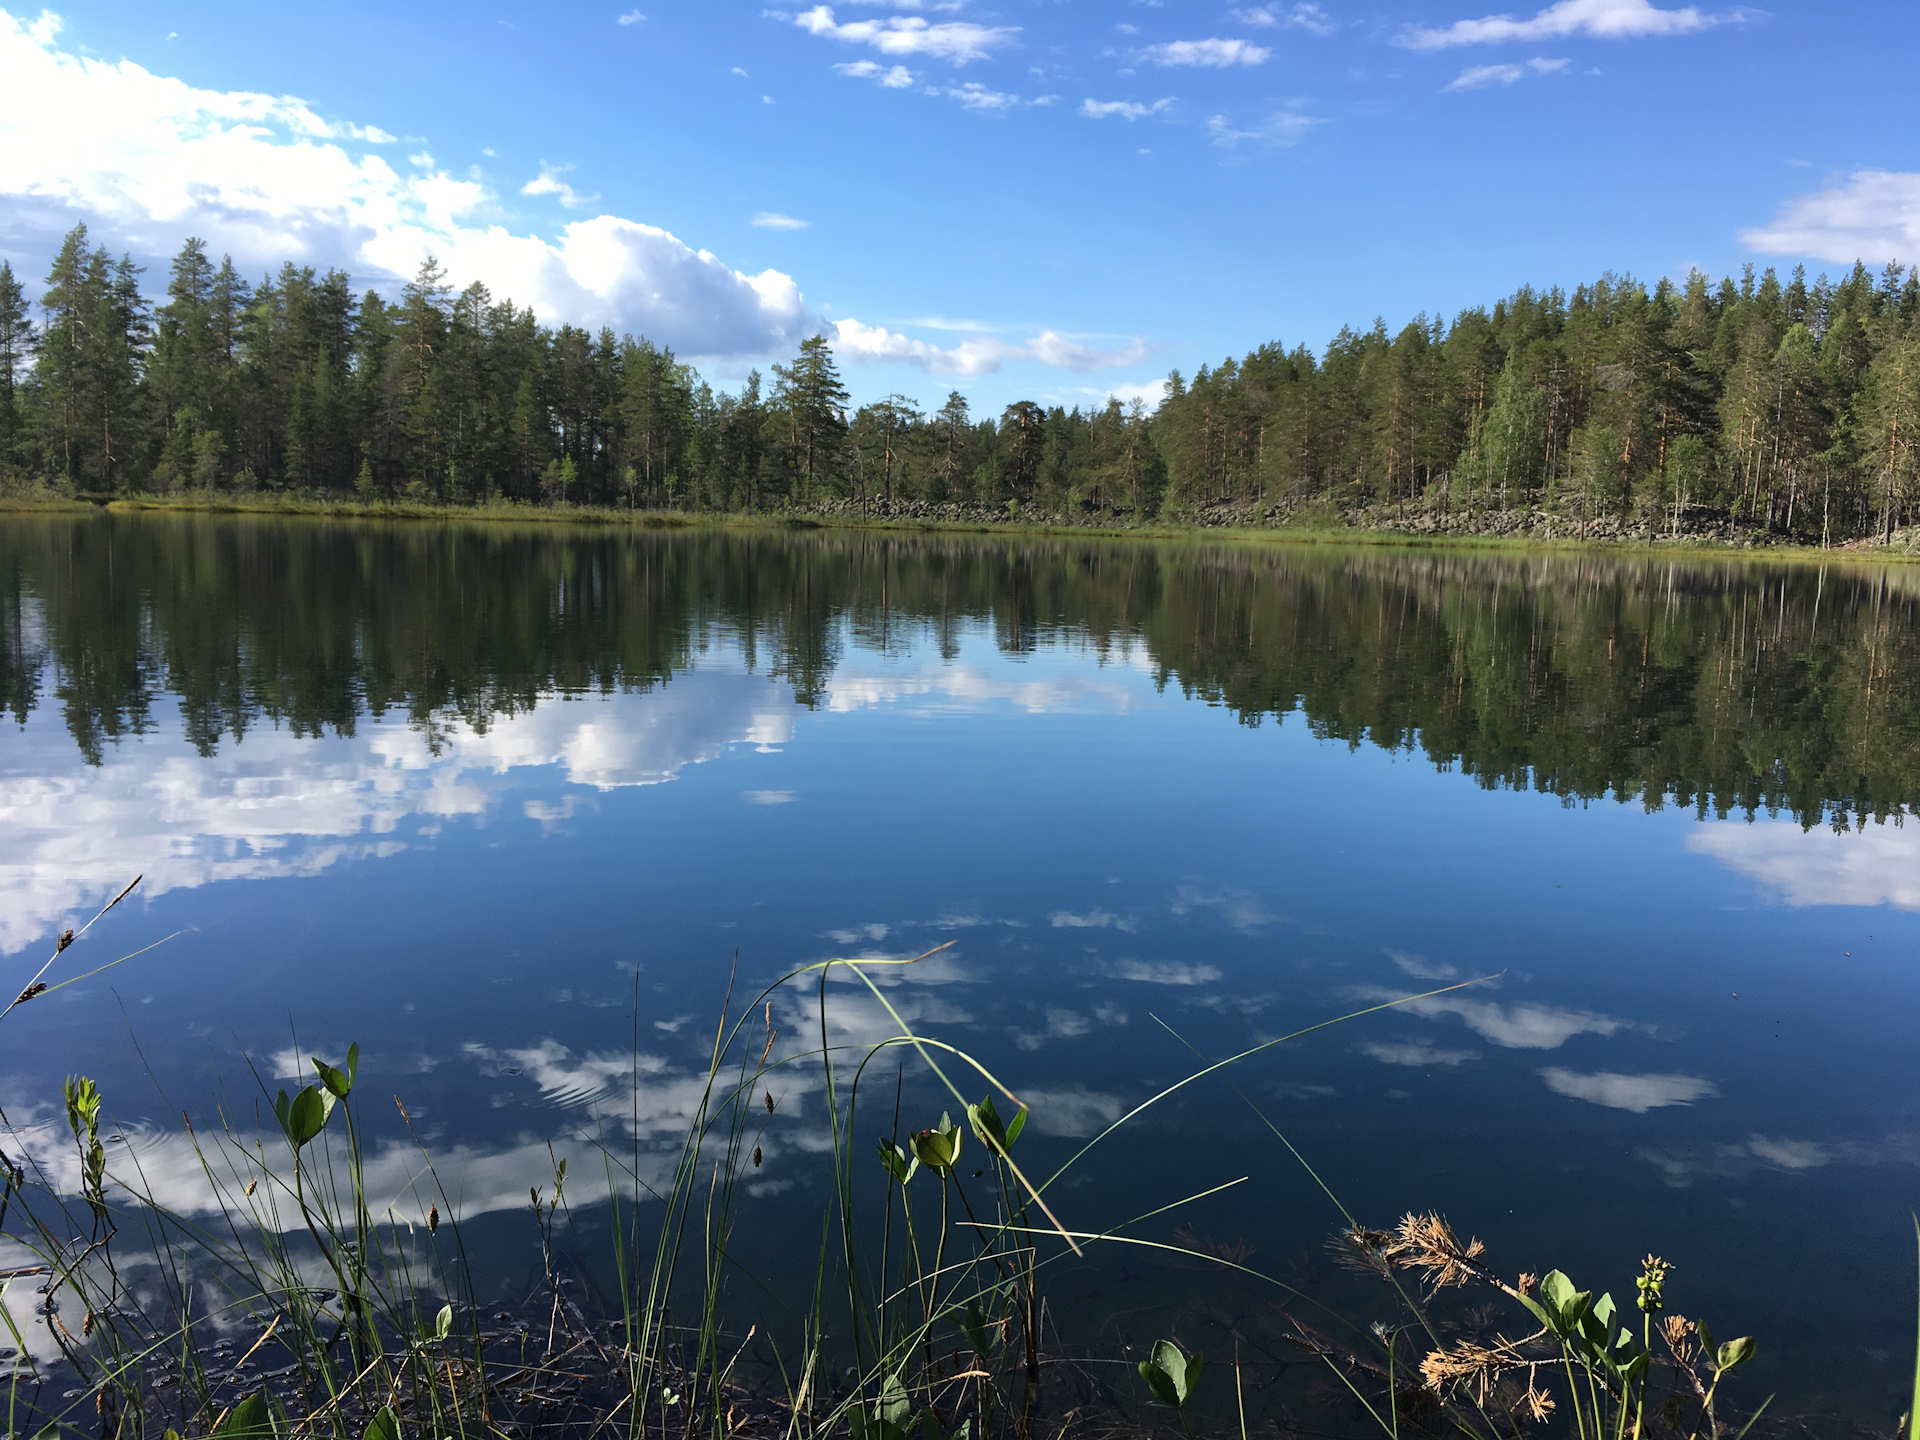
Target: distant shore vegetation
x=1751, y=409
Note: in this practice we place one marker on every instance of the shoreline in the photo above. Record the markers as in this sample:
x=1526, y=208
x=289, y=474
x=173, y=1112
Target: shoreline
x=1161, y=531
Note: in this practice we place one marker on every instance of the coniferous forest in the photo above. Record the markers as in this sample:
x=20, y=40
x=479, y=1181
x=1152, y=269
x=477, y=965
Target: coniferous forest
x=1787, y=410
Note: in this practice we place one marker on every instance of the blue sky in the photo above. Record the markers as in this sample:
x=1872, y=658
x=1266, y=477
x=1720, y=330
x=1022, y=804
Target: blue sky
x=1052, y=198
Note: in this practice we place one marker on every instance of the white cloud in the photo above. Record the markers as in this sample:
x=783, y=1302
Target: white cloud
x=1148, y=392
x=890, y=77
x=146, y=160
x=1310, y=18
x=856, y=342
x=632, y=17
x=774, y=220
x=1071, y=1113
x=769, y=797
x=1241, y=909
x=1417, y=1053
x=548, y=182
x=1874, y=216
x=1420, y=967
x=1124, y=109
x=875, y=931
x=1095, y=919
x=1281, y=130
x=1165, y=972
x=975, y=96
x=1210, y=54
x=1599, y=19
x=1522, y=1026
x=1879, y=865
x=282, y=805
x=955, y=41
x=1478, y=77
x=1061, y=1025
x=1789, y=1154
x=1638, y=1093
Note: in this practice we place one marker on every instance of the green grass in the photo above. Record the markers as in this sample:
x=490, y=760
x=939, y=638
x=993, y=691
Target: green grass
x=1313, y=528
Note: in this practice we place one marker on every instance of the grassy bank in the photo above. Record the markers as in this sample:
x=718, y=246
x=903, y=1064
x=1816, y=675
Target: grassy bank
x=1316, y=529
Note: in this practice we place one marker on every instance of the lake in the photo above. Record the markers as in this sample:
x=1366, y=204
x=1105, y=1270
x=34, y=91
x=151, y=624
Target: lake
x=466, y=794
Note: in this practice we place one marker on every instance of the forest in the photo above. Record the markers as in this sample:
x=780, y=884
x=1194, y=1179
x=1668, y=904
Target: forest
x=1777, y=409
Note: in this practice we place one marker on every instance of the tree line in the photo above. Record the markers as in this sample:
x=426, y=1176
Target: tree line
x=1723, y=687
x=1786, y=408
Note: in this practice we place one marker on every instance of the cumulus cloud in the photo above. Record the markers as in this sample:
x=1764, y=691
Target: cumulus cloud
x=283, y=805
x=890, y=77
x=1420, y=967
x=1164, y=972
x=955, y=41
x=1122, y=109
x=1879, y=865
x=1071, y=1113
x=547, y=182
x=1478, y=77
x=774, y=220
x=632, y=17
x=1147, y=392
x=1062, y=1024
x=1208, y=54
x=147, y=160
x=1417, y=1053
x=855, y=341
x=1874, y=216
x=1280, y=130
x=1094, y=919
x=975, y=96
x=1638, y=1093
x=1241, y=909
x=1310, y=18
x=1599, y=19
x=1525, y=1025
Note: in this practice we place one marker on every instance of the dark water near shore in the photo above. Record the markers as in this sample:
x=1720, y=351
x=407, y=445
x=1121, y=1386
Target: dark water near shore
x=460, y=794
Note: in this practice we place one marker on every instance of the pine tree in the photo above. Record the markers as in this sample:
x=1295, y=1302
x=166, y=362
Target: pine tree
x=16, y=345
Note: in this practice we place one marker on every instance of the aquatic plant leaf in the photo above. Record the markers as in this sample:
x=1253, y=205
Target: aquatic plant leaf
x=249, y=1420
x=306, y=1115
x=1170, y=1374
x=895, y=1405
x=1016, y=1125
x=443, y=1323
x=982, y=1334
x=339, y=1084
x=985, y=1118
x=1733, y=1352
x=385, y=1425
x=898, y=1163
x=1539, y=1310
x=938, y=1150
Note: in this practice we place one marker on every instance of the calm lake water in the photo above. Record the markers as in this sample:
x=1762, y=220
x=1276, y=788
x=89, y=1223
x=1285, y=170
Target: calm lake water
x=462, y=794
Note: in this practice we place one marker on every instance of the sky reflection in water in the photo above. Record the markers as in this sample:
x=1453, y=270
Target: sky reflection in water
x=1695, y=1040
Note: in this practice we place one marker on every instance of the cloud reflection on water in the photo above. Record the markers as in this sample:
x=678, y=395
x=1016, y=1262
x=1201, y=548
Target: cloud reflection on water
x=1874, y=865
